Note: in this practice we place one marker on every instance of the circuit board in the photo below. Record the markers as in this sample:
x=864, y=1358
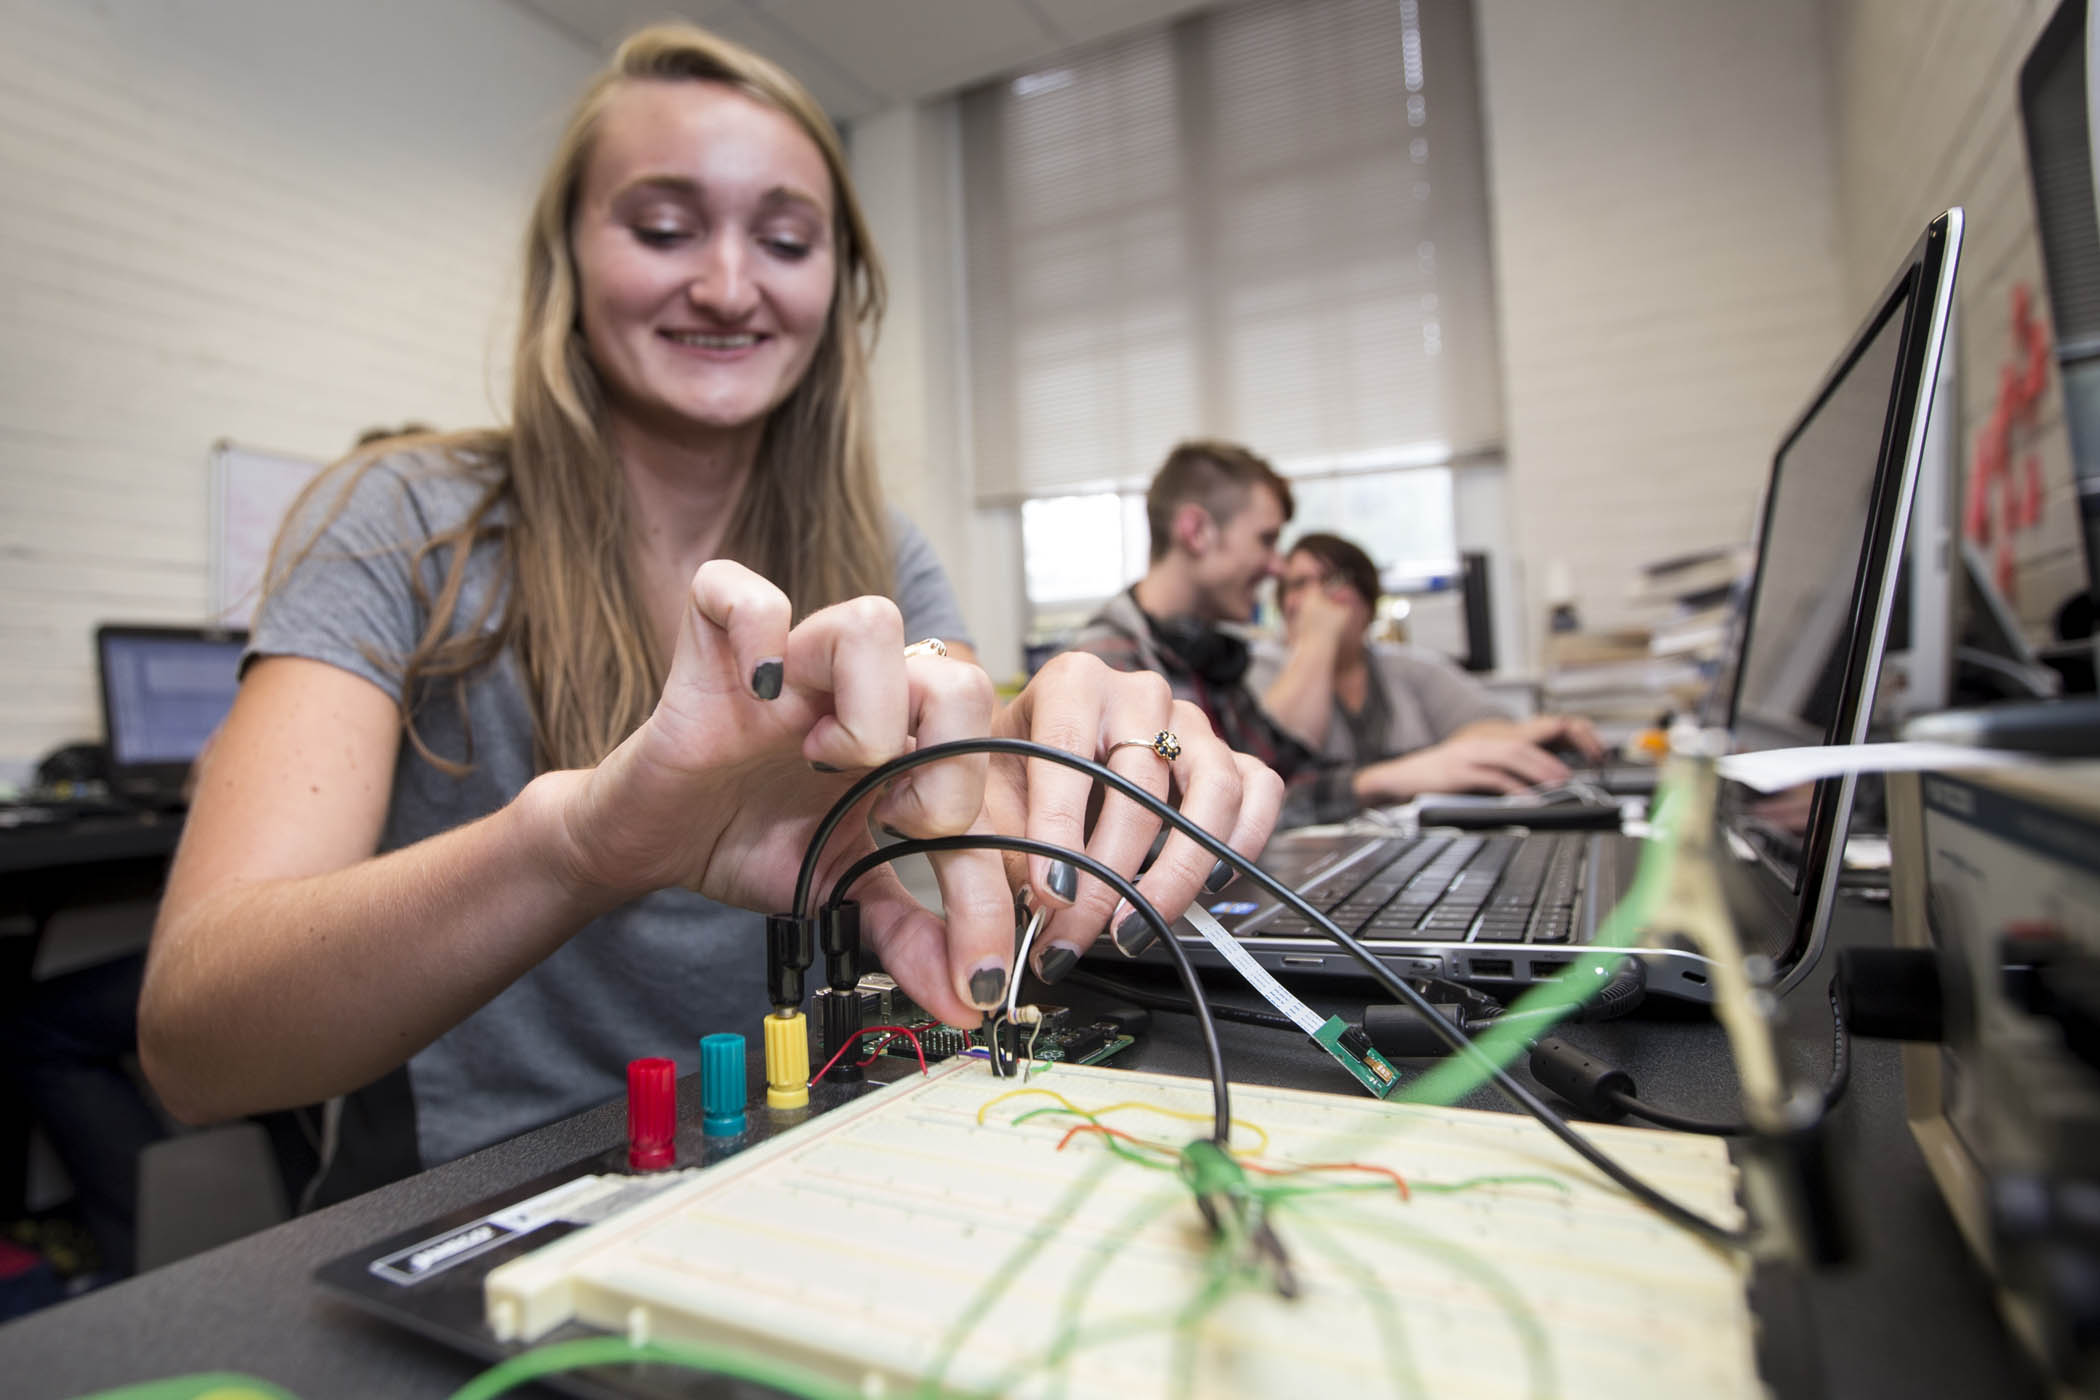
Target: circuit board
x=1078, y=1045
x=1053, y=1036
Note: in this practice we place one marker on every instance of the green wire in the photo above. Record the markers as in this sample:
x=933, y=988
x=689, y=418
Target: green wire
x=1531, y=1335
x=1220, y=1276
x=1008, y=1270
x=1392, y=1334
x=1133, y=1223
x=1553, y=1000
x=611, y=1351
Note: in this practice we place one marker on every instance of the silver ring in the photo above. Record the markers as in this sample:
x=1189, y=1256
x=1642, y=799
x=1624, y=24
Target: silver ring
x=1166, y=743
x=930, y=646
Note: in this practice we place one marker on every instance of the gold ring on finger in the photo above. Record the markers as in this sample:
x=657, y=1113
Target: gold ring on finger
x=1166, y=744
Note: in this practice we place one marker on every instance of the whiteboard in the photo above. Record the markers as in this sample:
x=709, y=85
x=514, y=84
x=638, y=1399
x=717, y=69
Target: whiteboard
x=251, y=489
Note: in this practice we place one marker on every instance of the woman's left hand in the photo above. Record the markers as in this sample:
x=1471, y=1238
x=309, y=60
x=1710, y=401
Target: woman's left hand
x=1079, y=704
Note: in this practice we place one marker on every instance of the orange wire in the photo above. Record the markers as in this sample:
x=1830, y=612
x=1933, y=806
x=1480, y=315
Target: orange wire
x=1397, y=1180
x=1107, y=1131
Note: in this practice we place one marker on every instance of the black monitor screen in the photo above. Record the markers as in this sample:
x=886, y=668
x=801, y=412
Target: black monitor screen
x=1801, y=621
x=1803, y=629
x=166, y=694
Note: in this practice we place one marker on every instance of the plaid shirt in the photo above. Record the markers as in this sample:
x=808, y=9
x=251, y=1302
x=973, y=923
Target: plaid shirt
x=1315, y=790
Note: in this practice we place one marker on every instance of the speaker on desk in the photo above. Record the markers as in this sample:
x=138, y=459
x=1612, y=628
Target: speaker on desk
x=1480, y=611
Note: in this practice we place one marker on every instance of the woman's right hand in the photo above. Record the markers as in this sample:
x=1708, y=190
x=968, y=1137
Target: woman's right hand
x=759, y=730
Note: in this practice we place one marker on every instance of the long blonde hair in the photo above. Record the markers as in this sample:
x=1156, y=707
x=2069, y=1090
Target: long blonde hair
x=810, y=516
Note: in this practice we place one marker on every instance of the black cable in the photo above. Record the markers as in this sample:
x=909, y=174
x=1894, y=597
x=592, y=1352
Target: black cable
x=1160, y=1001
x=1459, y=1042
x=1840, y=1077
x=1214, y=1052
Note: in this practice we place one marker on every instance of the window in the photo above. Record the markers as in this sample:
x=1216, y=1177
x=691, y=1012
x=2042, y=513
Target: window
x=1266, y=222
x=1079, y=550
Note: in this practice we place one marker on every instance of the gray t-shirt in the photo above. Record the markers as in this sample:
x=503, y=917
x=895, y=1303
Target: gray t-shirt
x=649, y=978
x=1416, y=699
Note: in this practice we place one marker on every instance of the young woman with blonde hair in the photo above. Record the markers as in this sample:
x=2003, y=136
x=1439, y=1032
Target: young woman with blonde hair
x=636, y=643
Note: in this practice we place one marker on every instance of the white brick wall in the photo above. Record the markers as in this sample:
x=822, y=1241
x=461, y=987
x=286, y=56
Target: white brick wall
x=278, y=221
x=1929, y=116
x=1667, y=265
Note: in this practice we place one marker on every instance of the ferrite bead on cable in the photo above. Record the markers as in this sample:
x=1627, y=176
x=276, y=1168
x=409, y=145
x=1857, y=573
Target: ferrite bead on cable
x=1588, y=1084
x=1402, y=1033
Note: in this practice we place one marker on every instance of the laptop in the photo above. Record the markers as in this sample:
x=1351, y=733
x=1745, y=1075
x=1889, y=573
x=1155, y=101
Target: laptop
x=165, y=691
x=1501, y=909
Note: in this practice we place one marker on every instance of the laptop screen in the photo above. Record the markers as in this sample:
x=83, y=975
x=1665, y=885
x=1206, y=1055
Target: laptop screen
x=1829, y=556
x=165, y=690
x=1798, y=643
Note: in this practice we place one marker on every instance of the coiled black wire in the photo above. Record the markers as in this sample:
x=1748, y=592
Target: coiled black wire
x=1833, y=1090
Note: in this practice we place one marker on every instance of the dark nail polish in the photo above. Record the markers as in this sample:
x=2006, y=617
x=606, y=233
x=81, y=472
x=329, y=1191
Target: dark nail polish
x=987, y=985
x=1220, y=876
x=1056, y=963
x=765, y=681
x=816, y=767
x=1063, y=880
x=1134, y=935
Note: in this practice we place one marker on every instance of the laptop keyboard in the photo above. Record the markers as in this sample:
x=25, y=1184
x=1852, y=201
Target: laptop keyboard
x=1454, y=889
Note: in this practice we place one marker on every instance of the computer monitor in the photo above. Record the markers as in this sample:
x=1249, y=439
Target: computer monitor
x=2059, y=95
x=164, y=691
x=1830, y=555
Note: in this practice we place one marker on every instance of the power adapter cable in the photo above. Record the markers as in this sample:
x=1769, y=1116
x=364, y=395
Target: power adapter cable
x=1608, y=1092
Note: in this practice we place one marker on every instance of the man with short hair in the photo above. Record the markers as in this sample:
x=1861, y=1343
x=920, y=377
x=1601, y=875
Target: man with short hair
x=1216, y=512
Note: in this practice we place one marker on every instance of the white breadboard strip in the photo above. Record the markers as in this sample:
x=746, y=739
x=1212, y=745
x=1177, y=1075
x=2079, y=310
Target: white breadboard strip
x=854, y=1244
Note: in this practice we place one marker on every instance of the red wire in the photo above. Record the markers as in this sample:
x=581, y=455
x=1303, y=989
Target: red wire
x=904, y=1031
x=1387, y=1172
x=1107, y=1131
x=869, y=1058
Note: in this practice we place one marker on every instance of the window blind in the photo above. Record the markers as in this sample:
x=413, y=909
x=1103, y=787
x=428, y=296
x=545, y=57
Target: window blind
x=1267, y=222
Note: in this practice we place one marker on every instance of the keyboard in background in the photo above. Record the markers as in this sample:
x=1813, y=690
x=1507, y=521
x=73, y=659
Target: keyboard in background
x=1454, y=889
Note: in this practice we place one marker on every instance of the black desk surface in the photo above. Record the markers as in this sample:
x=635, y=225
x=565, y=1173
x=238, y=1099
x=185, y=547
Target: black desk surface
x=1913, y=1318
x=89, y=840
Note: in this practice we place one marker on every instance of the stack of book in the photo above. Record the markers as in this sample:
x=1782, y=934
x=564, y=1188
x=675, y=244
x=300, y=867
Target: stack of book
x=1626, y=678
x=1693, y=597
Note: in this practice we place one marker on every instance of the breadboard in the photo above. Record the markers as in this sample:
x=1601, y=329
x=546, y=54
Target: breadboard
x=900, y=1246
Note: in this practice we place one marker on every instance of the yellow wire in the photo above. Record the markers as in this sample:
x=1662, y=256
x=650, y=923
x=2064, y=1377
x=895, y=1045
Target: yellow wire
x=1254, y=1128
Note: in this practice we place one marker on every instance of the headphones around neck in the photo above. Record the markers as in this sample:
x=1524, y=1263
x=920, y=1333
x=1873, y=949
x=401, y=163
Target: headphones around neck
x=1218, y=658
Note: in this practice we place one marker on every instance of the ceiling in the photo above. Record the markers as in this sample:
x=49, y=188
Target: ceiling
x=862, y=56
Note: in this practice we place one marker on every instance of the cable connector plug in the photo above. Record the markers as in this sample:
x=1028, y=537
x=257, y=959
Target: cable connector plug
x=838, y=931
x=791, y=945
